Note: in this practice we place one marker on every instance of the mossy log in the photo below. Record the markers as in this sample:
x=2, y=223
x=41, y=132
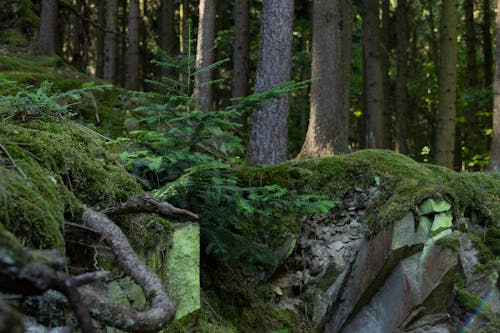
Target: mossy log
x=49, y=174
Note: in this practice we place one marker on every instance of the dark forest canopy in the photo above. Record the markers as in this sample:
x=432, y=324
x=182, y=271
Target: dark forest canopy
x=397, y=96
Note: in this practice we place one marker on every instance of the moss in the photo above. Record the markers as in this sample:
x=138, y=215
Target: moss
x=473, y=303
x=13, y=37
x=404, y=183
x=449, y=242
x=33, y=70
x=65, y=167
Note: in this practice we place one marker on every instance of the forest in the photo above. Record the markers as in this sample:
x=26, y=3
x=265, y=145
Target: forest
x=249, y=166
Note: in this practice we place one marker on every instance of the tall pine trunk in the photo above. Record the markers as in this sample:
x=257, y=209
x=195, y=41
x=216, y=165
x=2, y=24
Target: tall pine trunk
x=445, y=135
x=111, y=42
x=240, y=85
x=470, y=42
x=346, y=36
x=495, y=143
x=48, y=41
x=385, y=35
x=328, y=121
x=374, y=76
x=402, y=41
x=269, y=133
x=205, y=55
x=487, y=48
x=101, y=21
x=167, y=35
x=133, y=70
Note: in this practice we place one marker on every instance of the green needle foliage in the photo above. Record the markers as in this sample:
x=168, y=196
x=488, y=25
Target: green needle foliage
x=188, y=157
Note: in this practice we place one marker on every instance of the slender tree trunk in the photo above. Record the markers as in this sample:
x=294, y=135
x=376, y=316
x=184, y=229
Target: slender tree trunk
x=346, y=36
x=401, y=92
x=48, y=41
x=101, y=20
x=183, y=21
x=133, y=75
x=445, y=136
x=167, y=36
x=240, y=86
x=111, y=42
x=205, y=55
x=385, y=32
x=495, y=143
x=487, y=48
x=470, y=41
x=328, y=127
x=77, y=36
x=269, y=134
x=374, y=80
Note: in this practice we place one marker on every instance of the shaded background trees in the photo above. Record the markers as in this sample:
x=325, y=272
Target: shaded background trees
x=389, y=64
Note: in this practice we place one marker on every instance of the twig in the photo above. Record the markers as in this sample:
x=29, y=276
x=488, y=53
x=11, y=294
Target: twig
x=14, y=164
x=140, y=204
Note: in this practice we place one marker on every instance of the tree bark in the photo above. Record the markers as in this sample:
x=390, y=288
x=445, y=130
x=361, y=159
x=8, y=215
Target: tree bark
x=328, y=121
x=346, y=35
x=48, y=41
x=495, y=143
x=445, y=136
x=111, y=41
x=487, y=48
x=385, y=36
x=240, y=85
x=401, y=92
x=470, y=41
x=101, y=20
x=167, y=29
x=133, y=70
x=374, y=76
x=205, y=55
x=269, y=133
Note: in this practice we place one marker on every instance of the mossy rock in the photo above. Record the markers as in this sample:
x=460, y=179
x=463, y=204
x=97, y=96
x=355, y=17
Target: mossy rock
x=403, y=183
x=65, y=168
x=104, y=112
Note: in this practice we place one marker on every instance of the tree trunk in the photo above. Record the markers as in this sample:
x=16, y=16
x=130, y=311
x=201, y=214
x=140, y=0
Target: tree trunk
x=374, y=76
x=487, y=49
x=269, y=134
x=445, y=136
x=385, y=36
x=183, y=29
x=240, y=86
x=48, y=42
x=346, y=36
x=495, y=143
x=167, y=29
x=101, y=20
x=133, y=75
x=470, y=41
x=328, y=126
x=111, y=42
x=401, y=92
x=205, y=55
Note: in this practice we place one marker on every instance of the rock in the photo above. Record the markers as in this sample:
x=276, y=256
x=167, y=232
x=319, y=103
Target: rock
x=183, y=268
x=442, y=221
x=431, y=206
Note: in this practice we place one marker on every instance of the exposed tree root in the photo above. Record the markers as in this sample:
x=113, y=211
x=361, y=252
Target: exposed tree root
x=31, y=276
x=112, y=313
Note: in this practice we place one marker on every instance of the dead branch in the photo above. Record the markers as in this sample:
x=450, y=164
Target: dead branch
x=111, y=313
x=141, y=204
x=36, y=277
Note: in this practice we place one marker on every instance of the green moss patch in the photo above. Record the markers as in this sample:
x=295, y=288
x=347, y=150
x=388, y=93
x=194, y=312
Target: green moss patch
x=65, y=167
x=404, y=184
